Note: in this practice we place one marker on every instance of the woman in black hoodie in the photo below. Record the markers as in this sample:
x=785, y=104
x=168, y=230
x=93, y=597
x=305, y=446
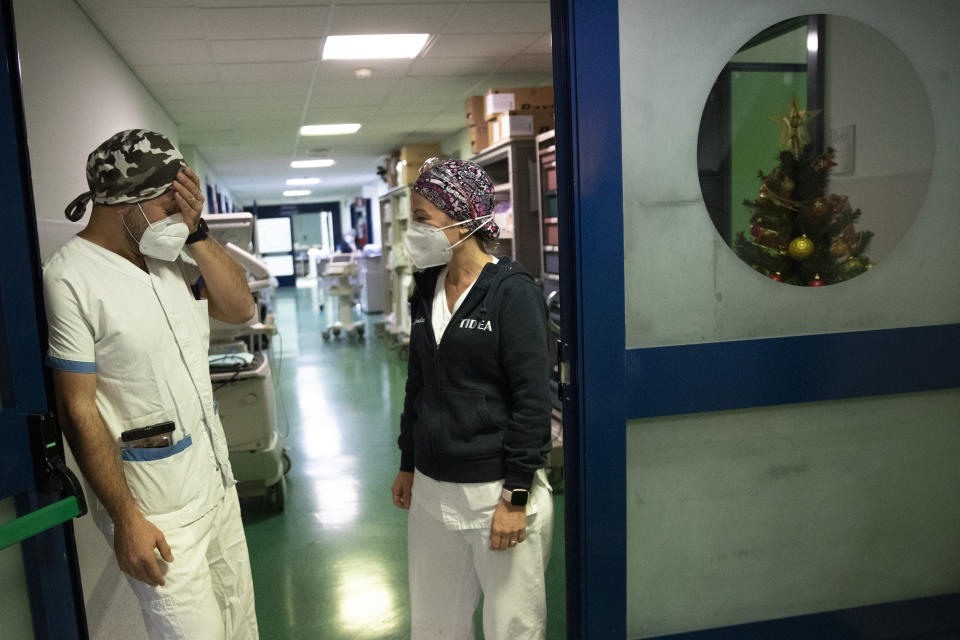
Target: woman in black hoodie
x=475, y=429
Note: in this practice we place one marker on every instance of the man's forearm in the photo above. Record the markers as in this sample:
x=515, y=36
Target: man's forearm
x=226, y=282
x=99, y=460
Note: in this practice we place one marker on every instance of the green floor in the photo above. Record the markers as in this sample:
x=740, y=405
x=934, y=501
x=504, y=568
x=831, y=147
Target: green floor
x=334, y=564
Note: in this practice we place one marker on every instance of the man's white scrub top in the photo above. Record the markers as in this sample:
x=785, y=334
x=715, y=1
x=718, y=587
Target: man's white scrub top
x=146, y=338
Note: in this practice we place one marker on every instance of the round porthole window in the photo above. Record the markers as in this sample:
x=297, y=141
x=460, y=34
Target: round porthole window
x=815, y=150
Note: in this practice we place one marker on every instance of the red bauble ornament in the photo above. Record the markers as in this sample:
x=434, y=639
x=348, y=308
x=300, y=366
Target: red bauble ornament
x=817, y=282
x=776, y=276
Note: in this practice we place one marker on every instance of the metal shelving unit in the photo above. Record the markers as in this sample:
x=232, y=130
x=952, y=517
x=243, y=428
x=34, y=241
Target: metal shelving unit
x=512, y=165
x=398, y=270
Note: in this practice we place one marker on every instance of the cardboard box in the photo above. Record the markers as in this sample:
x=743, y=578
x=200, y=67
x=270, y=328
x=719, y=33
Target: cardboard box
x=412, y=158
x=479, y=137
x=498, y=101
x=520, y=124
x=473, y=111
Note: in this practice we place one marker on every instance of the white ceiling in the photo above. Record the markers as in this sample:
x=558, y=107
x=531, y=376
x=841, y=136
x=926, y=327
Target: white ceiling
x=239, y=77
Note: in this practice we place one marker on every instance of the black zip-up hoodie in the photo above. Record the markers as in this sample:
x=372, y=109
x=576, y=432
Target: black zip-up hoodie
x=477, y=407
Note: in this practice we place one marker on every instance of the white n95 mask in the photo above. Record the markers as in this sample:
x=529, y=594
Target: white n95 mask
x=163, y=239
x=429, y=247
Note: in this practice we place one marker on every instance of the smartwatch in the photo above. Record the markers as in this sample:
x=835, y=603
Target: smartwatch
x=516, y=497
x=201, y=232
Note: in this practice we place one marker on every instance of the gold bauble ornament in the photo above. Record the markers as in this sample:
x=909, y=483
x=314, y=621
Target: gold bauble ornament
x=800, y=248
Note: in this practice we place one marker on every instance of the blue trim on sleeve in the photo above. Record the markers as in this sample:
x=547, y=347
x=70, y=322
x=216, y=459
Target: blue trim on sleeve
x=147, y=454
x=200, y=284
x=71, y=366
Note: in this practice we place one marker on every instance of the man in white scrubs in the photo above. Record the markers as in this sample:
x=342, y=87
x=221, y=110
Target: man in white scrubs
x=128, y=303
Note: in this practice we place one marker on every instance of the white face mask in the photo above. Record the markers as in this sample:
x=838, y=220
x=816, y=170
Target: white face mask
x=429, y=247
x=163, y=239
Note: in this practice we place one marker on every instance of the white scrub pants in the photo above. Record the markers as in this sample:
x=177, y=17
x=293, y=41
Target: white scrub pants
x=450, y=568
x=208, y=593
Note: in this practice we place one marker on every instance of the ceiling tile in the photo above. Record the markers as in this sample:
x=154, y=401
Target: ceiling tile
x=165, y=24
x=391, y=18
x=342, y=114
x=137, y=52
x=176, y=73
x=265, y=102
x=266, y=72
x=346, y=93
x=543, y=45
x=408, y=99
x=260, y=117
x=280, y=50
x=183, y=91
x=254, y=90
x=345, y=69
x=390, y=124
x=506, y=17
x=196, y=105
x=536, y=62
x=254, y=3
x=260, y=23
x=487, y=44
x=519, y=79
x=135, y=4
x=449, y=85
x=456, y=66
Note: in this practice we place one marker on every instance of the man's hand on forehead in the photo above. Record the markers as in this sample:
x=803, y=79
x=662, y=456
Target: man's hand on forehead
x=189, y=197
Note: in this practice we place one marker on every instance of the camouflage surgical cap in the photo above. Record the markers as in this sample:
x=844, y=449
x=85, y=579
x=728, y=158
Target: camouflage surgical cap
x=131, y=166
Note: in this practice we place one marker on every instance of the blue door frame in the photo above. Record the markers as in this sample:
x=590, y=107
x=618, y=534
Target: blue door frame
x=610, y=384
x=49, y=558
x=586, y=71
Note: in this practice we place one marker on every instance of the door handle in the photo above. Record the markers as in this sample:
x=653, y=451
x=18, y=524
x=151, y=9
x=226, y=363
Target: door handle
x=38, y=521
x=52, y=476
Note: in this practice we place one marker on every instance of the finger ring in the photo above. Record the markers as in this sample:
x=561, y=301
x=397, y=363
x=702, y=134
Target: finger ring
x=513, y=543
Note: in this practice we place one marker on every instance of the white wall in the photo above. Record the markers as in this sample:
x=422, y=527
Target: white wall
x=207, y=175
x=746, y=515
x=884, y=97
x=77, y=92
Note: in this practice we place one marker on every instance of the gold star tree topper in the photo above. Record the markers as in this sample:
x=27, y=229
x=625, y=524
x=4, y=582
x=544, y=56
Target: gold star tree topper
x=793, y=127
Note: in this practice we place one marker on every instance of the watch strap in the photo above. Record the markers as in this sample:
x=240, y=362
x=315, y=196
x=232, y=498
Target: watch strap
x=200, y=234
x=516, y=497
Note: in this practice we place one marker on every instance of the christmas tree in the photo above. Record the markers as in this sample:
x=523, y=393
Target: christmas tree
x=798, y=233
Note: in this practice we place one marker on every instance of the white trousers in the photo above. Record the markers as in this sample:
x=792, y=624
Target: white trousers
x=208, y=593
x=450, y=568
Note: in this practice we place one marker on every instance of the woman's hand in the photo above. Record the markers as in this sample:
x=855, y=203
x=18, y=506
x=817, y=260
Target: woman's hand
x=509, y=526
x=402, y=488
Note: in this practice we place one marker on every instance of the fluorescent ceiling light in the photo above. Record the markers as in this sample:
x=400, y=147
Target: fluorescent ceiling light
x=377, y=46
x=310, y=164
x=296, y=182
x=328, y=129
x=296, y=192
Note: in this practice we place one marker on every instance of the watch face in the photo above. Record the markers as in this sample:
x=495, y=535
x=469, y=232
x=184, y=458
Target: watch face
x=518, y=497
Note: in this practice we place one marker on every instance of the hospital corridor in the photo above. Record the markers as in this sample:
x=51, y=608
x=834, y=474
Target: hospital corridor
x=334, y=563
x=479, y=320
